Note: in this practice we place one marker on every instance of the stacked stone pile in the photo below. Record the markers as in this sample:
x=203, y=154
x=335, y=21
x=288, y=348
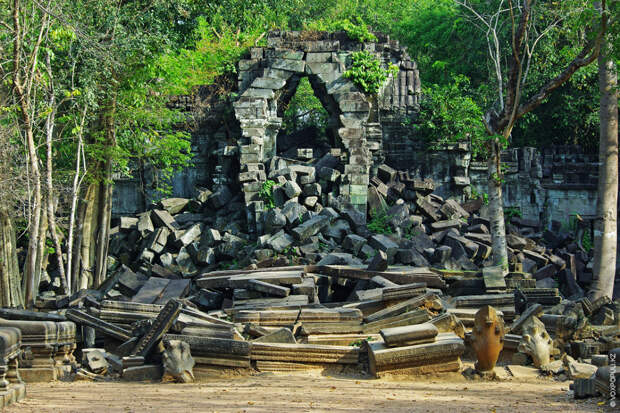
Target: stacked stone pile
x=390, y=290
x=406, y=224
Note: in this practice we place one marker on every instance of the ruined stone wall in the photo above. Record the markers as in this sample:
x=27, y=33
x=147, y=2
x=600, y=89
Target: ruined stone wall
x=268, y=79
x=213, y=129
x=233, y=141
x=546, y=185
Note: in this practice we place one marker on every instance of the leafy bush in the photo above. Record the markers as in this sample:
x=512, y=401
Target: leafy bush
x=449, y=115
x=379, y=222
x=266, y=194
x=366, y=72
x=357, y=31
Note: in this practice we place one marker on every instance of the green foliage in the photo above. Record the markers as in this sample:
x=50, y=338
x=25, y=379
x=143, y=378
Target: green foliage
x=411, y=232
x=356, y=31
x=511, y=212
x=266, y=194
x=366, y=72
x=361, y=341
x=305, y=110
x=379, y=222
x=449, y=115
x=477, y=195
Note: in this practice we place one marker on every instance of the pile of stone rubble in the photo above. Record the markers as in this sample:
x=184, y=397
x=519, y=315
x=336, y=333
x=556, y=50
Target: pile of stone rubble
x=304, y=223
x=326, y=287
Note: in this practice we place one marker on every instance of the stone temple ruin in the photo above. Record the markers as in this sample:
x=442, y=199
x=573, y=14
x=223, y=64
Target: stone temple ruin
x=235, y=142
x=215, y=278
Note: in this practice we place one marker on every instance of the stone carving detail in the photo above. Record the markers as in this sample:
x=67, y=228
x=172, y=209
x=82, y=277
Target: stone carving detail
x=12, y=388
x=487, y=337
x=536, y=342
x=178, y=361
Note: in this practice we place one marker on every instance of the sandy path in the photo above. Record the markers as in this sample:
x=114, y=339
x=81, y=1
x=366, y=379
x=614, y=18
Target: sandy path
x=308, y=392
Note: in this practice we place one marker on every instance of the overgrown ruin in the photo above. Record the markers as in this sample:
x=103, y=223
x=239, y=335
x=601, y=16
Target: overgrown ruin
x=368, y=254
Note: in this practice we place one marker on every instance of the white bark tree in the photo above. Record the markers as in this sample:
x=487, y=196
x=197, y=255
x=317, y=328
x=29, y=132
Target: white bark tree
x=513, y=23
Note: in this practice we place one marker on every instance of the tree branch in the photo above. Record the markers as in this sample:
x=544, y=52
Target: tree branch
x=587, y=55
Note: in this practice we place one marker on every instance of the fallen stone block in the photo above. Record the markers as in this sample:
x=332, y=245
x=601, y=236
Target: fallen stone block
x=409, y=335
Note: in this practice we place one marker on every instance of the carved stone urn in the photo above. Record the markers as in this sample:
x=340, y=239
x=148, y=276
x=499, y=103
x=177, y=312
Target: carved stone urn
x=487, y=338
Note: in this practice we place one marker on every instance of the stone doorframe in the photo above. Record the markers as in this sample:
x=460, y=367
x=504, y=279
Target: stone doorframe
x=272, y=72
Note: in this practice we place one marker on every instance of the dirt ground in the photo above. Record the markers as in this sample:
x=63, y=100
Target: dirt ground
x=306, y=392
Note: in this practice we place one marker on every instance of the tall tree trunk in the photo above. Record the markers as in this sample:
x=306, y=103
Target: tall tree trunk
x=49, y=167
x=42, y=255
x=88, y=233
x=32, y=258
x=496, y=210
x=105, y=197
x=10, y=285
x=605, y=230
x=75, y=193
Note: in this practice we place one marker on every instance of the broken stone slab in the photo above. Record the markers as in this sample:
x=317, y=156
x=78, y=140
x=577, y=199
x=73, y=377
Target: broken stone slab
x=449, y=323
x=188, y=236
x=274, y=220
x=305, y=353
x=577, y=370
x=353, y=243
x=385, y=244
x=162, y=218
x=151, y=291
x=533, y=310
x=96, y=360
x=446, y=350
x=446, y=224
x=547, y=271
x=477, y=301
x=417, y=316
x=405, y=306
x=291, y=189
x=494, y=278
x=411, y=256
x=386, y=173
x=452, y=209
x=147, y=372
x=409, y=335
x=160, y=326
x=293, y=212
x=427, y=208
x=539, y=259
x=402, y=292
x=281, y=335
x=309, y=228
x=516, y=242
x=523, y=372
x=459, y=243
x=312, y=189
x=174, y=205
x=268, y=288
x=174, y=289
x=220, y=198
x=127, y=223
x=84, y=319
x=329, y=174
x=379, y=262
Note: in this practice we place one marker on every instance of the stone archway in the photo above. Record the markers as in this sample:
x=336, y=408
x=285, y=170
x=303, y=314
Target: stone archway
x=273, y=71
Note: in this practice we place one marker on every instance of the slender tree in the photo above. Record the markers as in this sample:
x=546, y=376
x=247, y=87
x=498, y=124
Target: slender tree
x=606, y=225
x=515, y=18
